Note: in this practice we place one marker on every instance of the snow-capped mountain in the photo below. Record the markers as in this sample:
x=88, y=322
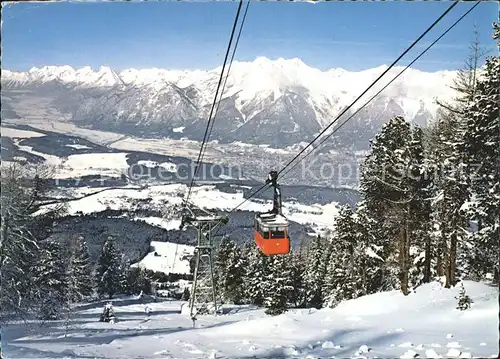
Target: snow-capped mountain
x=276, y=102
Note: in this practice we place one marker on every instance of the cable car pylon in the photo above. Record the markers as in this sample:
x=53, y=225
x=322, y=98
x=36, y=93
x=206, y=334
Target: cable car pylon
x=203, y=296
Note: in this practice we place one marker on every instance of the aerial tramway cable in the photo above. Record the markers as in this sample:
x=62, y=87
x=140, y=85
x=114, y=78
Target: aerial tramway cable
x=383, y=88
x=365, y=91
x=373, y=83
x=227, y=75
x=210, y=123
x=205, y=136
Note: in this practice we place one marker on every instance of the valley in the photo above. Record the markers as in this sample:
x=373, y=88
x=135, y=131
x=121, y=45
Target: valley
x=135, y=196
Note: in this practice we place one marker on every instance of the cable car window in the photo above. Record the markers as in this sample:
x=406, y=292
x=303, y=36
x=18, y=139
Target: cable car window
x=277, y=233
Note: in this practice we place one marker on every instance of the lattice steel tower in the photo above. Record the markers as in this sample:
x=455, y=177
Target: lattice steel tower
x=204, y=297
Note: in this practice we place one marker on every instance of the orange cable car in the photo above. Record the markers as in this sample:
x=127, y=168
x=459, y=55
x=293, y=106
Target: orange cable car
x=271, y=228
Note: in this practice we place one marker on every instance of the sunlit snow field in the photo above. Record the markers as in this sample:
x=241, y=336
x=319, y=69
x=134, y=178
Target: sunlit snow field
x=385, y=325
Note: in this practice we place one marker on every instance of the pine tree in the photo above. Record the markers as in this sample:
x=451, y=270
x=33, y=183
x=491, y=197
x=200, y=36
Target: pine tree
x=420, y=185
x=79, y=271
x=234, y=277
x=21, y=234
x=279, y=285
x=315, y=272
x=224, y=251
x=256, y=276
x=109, y=269
x=465, y=81
x=481, y=149
x=298, y=267
x=387, y=186
x=450, y=192
x=52, y=280
x=496, y=33
x=451, y=180
x=340, y=282
x=464, y=301
x=138, y=280
x=230, y=271
x=367, y=256
x=125, y=274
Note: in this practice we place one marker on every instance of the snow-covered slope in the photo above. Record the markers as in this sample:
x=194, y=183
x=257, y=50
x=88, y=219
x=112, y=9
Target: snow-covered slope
x=424, y=324
x=162, y=197
x=262, y=98
x=167, y=258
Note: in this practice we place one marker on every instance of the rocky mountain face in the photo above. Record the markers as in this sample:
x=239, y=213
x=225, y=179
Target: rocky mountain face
x=273, y=102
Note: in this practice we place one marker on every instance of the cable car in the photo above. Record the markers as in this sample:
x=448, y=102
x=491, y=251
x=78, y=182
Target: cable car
x=271, y=228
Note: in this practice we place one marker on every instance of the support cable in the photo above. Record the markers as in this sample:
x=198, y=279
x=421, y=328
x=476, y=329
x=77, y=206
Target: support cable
x=364, y=92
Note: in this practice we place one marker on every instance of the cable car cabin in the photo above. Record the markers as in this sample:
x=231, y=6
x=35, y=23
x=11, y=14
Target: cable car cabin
x=271, y=234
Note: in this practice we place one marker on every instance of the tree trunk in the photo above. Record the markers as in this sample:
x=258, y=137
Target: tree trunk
x=442, y=256
x=403, y=258
x=364, y=281
x=453, y=258
x=439, y=262
x=427, y=260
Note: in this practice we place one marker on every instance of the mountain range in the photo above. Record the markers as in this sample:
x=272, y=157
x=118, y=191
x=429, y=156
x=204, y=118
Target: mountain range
x=266, y=102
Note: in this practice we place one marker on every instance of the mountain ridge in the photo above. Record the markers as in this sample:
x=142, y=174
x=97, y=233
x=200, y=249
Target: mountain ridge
x=262, y=98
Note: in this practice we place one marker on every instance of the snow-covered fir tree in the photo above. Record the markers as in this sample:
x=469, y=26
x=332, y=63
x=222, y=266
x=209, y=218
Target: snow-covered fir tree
x=52, y=280
x=79, y=271
x=482, y=151
x=315, y=272
x=464, y=300
x=235, y=274
x=420, y=186
x=449, y=194
x=138, y=281
x=340, y=280
x=384, y=198
x=109, y=269
x=452, y=182
x=257, y=271
x=221, y=262
x=230, y=271
x=367, y=255
x=298, y=264
x=23, y=188
x=278, y=285
x=125, y=275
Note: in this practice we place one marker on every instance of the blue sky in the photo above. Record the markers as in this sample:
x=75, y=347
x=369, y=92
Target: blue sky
x=194, y=35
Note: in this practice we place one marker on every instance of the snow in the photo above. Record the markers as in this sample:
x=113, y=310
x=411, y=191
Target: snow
x=12, y=132
x=226, y=177
x=427, y=316
x=148, y=163
x=161, y=222
x=179, y=129
x=263, y=81
x=409, y=354
x=106, y=164
x=75, y=166
x=49, y=159
x=272, y=220
x=170, y=167
x=320, y=217
x=79, y=147
x=170, y=258
x=120, y=198
x=431, y=353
